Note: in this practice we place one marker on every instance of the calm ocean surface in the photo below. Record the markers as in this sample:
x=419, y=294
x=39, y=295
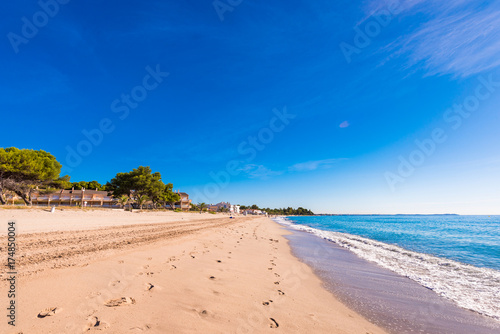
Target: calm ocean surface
x=458, y=257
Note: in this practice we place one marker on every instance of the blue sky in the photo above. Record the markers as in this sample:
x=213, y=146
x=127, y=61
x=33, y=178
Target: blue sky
x=318, y=104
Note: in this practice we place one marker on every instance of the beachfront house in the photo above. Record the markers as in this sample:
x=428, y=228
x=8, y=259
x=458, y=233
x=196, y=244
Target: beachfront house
x=253, y=212
x=85, y=197
x=220, y=207
x=223, y=206
x=235, y=209
x=185, y=203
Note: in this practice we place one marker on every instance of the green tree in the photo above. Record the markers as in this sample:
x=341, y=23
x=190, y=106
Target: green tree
x=123, y=200
x=92, y=185
x=63, y=182
x=161, y=193
x=138, y=182
x=140, y=200
x=143, y=182
x=21, y=170
x=169, y=197
x=201, y=206
x=284, y=211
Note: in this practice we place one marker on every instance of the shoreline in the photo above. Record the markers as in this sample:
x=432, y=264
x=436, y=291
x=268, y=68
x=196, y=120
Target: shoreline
x=394, y=302
x=186, y=274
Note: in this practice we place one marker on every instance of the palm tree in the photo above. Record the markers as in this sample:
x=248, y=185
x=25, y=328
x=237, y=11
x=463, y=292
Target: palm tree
x=201, y=205
x=141, y=200
x=123, y=200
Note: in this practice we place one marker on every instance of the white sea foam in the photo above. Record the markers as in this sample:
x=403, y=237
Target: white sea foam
x=470, y=287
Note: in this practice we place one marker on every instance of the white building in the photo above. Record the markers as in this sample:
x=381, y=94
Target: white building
x=254, y=212
x=235, y=209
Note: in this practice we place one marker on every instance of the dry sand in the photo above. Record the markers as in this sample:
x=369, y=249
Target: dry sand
x=108, y=271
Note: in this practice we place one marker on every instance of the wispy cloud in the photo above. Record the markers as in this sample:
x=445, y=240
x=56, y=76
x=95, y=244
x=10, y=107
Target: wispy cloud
x=262, y=172
x=314, y=165
x=259, y=171
x=344, y=124
x=459, y=38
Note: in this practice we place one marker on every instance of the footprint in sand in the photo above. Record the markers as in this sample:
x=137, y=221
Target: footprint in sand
x=120, y=302
x=93, y=295
x=48, y=312
x=94, y=323
x=281, y=293
x=274, y=323
x=142, y=329
x=267, y=303
x=114, y=283
x=149, y=286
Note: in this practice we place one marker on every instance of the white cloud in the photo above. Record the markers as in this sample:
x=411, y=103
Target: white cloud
x=255, y=171
x=459, y=37
x=344, y=124
x=314, y=165
x=259, y=171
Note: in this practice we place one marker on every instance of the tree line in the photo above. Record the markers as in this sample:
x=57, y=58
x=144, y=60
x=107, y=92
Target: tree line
x=282, y=212
x=22, y=171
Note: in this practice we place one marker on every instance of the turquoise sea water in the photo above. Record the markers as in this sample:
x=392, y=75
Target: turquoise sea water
x=456, y=256
x=469, y=239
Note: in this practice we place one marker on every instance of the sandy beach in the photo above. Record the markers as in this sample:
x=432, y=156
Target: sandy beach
x=111, y=271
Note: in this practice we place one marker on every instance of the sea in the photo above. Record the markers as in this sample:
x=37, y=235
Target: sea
x=456, y=257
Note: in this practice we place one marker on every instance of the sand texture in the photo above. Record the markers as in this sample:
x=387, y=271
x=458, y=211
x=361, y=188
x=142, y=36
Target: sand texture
x=107, y=271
